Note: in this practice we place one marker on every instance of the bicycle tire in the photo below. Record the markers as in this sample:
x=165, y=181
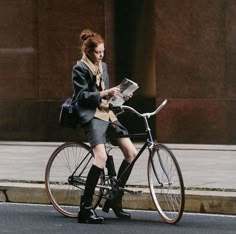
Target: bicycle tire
x=166, y=184
x=63, y=195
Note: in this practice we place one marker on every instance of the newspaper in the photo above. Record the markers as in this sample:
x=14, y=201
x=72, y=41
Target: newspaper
x=127, y=87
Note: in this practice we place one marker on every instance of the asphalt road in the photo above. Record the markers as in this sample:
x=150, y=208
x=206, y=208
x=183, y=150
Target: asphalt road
x=33, y=219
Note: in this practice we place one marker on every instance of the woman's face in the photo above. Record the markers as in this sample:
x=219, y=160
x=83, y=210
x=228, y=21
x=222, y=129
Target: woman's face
x=98, y=53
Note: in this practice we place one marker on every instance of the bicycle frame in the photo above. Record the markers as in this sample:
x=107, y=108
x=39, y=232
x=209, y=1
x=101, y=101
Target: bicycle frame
x=149, y=143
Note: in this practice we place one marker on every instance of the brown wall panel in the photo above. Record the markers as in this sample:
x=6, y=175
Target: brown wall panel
x=195, y=61
x=197, y=122
x=17, y=73
x=17, y=49
x=39, y=46
x=34, y=121
x=190, y=48
x=59, y=26
x=18, y=121
x=17, y=23
x=230, y=48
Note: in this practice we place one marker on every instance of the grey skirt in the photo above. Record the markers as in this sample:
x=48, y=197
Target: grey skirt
x=100, y=132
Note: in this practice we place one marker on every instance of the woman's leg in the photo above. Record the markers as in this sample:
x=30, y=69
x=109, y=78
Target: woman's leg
x=100, y=155
x=86, y=213
x=127, y=148
x=125, y=169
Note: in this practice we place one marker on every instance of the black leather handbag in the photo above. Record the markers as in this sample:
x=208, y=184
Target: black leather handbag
x=68, y=117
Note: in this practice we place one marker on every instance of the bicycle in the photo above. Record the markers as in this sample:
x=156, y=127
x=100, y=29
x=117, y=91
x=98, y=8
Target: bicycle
x=66, y=171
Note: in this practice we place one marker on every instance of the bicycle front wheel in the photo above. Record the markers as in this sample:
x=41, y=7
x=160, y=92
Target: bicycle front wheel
x=65, y=177
x=166, y=184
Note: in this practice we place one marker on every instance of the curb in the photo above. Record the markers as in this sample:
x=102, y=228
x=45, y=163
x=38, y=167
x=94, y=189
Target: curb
x=215, y=202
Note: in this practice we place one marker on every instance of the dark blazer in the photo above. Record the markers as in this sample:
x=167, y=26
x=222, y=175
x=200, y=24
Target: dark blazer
x=85, y=91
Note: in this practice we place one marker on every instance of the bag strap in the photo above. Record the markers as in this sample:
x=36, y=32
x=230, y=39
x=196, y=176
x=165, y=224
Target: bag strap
x=74, y=99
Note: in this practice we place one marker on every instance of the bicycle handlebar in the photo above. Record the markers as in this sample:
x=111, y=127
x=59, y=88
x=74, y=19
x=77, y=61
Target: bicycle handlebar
x=147, y=115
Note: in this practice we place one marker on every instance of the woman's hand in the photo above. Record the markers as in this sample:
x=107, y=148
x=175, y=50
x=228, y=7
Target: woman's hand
x=113, y=91
x=110, y=92
x=127, y=97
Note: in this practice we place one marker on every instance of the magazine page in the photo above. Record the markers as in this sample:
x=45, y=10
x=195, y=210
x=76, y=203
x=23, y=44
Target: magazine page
x=127, y=87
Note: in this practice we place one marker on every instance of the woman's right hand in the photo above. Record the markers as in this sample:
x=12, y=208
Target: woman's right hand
x=110, y=92
x=113, y=91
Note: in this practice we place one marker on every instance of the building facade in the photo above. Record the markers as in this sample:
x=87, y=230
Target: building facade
x=181, y=50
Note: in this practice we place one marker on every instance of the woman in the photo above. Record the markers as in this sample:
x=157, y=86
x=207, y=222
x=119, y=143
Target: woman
x=91, y=89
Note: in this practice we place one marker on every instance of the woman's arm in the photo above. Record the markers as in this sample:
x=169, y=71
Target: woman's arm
x=84, y=89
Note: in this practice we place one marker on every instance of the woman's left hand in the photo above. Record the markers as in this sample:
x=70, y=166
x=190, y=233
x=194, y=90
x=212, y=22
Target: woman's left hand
x=127, y=97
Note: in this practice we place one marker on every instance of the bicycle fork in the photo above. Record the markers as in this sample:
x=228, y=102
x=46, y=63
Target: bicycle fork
x=153, y=149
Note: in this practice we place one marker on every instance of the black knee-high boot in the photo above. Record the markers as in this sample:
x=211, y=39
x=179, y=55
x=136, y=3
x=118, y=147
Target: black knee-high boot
x=116, y=204
x=87, y=213
x=110, y=166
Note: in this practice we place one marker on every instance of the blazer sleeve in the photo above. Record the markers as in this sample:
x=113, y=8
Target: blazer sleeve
x=84, y=87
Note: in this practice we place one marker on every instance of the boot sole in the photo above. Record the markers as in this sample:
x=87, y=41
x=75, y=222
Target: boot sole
x=91, y=221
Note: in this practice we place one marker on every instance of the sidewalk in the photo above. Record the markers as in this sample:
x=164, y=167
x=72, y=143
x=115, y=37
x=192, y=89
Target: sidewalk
x=208, y=172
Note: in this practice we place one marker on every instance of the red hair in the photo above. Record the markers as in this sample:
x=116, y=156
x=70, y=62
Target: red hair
x=90, y=40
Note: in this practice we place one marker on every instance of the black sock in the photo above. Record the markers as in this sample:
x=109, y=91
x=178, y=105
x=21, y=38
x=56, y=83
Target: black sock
x=125, y=172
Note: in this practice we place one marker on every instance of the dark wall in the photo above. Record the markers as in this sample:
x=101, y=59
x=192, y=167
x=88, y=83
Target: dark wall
x=38, y=47
x=196, y=68
x=135, y=56
x=184, y=51
x=181, y=50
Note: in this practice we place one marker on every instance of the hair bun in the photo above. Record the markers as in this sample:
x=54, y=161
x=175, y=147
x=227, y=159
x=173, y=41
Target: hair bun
x=85, y=34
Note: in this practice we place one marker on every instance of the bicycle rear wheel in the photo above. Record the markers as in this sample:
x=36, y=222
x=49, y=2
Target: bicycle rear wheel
x=166, y=184
x=65, y=177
